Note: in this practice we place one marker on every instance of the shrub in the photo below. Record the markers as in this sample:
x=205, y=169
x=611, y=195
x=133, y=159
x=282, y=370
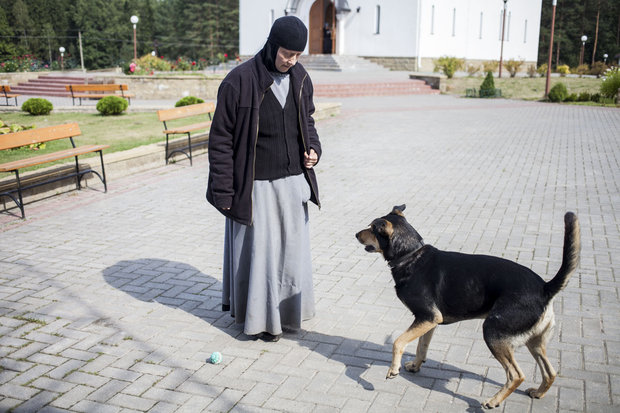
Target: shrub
x=488, y=83
x=112, y=105
x=598, y=68
x=513, y=66
x=571, y=98
x=448, y=65
x=472, y=70
x=581, y=70
x=584, y=97
x=611, y=83
x=542, y=70
x=558, y=93
x=37, y=106
x=490, y=66
x=531, y=71
x=595, y=97
x=188, y=100
x=563, y=70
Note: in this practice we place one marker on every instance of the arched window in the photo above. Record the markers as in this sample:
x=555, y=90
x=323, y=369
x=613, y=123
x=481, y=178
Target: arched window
x=433, y=19
x=480, y=30
x=453, y=22
x=378, y=19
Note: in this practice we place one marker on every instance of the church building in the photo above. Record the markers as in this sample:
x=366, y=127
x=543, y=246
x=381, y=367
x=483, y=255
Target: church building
x=411, y=31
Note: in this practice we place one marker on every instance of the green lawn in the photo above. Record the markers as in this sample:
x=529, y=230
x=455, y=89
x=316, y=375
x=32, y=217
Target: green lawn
x=122, y=132
x=523, y=87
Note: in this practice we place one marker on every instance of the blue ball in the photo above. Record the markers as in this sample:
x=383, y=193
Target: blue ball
x=216, y=357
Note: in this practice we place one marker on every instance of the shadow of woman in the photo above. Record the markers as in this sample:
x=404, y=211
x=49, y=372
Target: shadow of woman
x=182, y=286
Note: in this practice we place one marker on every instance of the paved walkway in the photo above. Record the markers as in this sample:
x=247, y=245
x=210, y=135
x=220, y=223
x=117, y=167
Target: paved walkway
x=110, y=302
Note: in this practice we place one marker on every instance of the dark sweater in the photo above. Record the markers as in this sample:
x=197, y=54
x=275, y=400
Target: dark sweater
x=278, y=152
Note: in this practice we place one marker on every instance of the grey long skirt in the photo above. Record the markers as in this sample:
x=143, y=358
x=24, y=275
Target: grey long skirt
x=267, y=279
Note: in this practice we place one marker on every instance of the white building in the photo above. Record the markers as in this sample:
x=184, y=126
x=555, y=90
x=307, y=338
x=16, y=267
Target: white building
x=416, y=31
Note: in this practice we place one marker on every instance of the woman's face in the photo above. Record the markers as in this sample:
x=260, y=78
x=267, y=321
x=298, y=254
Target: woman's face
x=285, y=59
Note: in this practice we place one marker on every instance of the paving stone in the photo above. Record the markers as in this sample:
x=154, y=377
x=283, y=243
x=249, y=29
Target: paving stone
x=132, y=308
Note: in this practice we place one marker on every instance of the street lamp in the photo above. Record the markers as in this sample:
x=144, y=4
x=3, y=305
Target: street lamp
x=605, y=56
x=584, y=38
x=554, y=3
x=501, y=53
x=62, y=58
x=134, y=21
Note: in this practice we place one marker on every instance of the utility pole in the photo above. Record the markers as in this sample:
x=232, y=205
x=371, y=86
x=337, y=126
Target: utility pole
x=554, y=2
x=81, y=54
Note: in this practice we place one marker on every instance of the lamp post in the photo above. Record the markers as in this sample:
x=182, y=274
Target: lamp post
x=584, y=38
x=62, y=58
x=501, y=53
x=554, y=2
x=134, y=21
x=605, y=56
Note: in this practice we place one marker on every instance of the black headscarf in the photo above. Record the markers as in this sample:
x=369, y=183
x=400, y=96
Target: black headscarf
x=288, y=32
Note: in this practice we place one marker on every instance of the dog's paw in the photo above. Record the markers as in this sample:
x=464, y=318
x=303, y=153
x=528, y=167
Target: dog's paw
x=534, y=393
x=412, y=366
x=490, y=404
x=392, y=372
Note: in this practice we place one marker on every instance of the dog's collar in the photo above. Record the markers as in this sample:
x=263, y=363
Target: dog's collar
x=408, y=258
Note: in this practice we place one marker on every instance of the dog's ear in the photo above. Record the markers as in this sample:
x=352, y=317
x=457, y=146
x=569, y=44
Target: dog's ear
x=398, y=210
x=384, y=227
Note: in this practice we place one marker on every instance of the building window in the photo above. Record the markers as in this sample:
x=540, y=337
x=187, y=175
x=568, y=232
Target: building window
x=525, y=32
x=501, y=24
x=433, y=19
x=272, y=17
x=508, y=27
x=453, y=22
x=378, y=19
x=480, y=30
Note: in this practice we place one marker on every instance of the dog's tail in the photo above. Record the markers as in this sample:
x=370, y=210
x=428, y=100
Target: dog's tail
x=570, y=256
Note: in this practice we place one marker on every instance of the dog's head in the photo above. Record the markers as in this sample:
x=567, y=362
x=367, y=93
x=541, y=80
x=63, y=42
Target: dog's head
x=391, y=235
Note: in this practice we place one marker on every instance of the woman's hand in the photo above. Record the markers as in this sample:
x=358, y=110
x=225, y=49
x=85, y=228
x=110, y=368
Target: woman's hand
x=310, y=159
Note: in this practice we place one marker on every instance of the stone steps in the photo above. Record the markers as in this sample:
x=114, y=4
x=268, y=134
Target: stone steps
x=47, y=85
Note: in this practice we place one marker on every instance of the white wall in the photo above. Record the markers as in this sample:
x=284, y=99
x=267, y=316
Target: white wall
x=469, y=40
x=398, y=33
x=255, y=23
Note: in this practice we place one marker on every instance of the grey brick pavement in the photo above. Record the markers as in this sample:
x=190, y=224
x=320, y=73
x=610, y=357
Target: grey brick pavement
x=110, y=302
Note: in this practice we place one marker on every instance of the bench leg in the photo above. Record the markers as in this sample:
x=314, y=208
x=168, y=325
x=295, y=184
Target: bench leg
x=105, y=182
x=166, y=149
x=77, y=174
x=20, y=200
x=189, y=143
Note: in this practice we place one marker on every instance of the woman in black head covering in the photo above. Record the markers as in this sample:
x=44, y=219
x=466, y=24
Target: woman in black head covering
x=262, y=149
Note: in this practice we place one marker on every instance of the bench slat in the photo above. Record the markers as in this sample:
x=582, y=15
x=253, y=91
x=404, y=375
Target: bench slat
x=185, y=111
x=189, y=128
x=96, y=87
x=30, y=136
x=49, y=157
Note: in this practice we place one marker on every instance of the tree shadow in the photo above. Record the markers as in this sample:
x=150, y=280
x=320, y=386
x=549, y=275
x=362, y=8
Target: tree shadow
x=182, y=286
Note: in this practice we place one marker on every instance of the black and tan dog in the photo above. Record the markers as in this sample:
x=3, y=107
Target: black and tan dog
x=441, y=287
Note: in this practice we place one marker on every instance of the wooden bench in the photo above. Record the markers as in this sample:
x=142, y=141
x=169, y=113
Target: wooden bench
x=6, y=89
x=167, y=115
x=97, y=91
x=46, y=134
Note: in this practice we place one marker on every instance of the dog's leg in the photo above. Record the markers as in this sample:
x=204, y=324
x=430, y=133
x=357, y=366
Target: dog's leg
x=416, y=330
x=503, y=351
x=538, y=347
x=420, y=354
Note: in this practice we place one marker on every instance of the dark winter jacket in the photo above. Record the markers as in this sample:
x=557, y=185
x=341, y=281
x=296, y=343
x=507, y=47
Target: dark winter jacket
x=234, y=133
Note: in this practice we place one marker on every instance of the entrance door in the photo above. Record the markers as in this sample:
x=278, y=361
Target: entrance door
x=322, y=27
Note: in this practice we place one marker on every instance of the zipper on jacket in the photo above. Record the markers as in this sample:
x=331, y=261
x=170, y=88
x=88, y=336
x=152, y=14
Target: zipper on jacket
x=254, y=161
x=303, y=139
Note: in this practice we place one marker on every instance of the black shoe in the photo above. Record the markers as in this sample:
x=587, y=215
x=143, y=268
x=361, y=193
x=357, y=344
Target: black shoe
x=270, y=337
